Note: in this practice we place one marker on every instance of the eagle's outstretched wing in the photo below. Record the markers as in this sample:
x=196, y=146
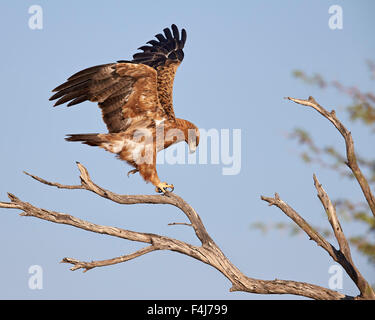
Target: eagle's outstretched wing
x=164, y=54
x=123, y=91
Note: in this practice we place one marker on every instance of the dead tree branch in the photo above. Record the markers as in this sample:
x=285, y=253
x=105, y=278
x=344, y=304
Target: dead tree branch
x=344, y=259
x=343, y=255
x=350, y=153
x=208, y=252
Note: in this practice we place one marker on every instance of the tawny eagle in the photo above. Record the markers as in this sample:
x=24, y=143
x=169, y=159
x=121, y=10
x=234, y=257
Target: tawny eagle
x=136, y=102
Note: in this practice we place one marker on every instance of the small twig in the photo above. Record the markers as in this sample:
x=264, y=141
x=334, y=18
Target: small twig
x=93, y=264
x=54, y=184
x=180, y=224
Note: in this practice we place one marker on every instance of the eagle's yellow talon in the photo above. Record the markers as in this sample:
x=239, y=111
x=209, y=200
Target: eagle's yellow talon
x=163, y=186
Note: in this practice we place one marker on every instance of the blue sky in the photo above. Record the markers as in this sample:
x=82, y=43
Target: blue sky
x=238, y=65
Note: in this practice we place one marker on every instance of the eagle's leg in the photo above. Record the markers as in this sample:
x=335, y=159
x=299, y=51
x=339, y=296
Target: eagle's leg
x=146, y=166
x=148, y=172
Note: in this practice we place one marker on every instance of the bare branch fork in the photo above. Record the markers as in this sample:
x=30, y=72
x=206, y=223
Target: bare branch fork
x=208, y=252
x=343, y=255
x=350, y=153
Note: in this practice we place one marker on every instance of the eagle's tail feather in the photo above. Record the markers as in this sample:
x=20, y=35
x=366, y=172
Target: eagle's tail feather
x=92, y=139
x=112, y=142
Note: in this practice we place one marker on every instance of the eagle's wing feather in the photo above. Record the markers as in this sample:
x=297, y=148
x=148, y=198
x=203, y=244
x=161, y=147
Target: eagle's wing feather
x=167, y=47
x=123, y=91
x=164, y=54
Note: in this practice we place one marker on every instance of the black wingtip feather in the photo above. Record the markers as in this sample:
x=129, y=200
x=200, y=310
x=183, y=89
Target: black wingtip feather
x=167, y=47
x=183, y=38
x=160, y=37
x=154, y=43
x=176, y=34
x=168, y=34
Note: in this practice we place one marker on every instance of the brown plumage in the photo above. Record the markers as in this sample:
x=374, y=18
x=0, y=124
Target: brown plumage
x=136, y=102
